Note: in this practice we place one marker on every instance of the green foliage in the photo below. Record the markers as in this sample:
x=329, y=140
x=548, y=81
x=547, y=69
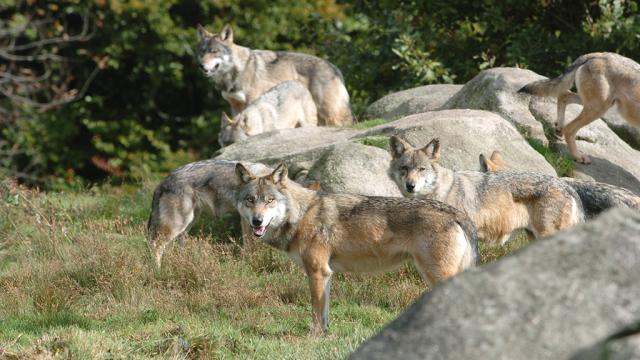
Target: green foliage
x=562, y=163
x=419, y=63
x=151, y=100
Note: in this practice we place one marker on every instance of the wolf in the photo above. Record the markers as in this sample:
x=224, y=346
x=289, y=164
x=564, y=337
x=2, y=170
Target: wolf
x=497, y=203
x=596, y=197
x=180, y=198
x=602, y=80
x=243, y=74
x=286, y=105
x=325, y=233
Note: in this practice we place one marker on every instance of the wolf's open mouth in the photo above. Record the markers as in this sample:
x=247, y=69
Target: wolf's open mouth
x=258, y=231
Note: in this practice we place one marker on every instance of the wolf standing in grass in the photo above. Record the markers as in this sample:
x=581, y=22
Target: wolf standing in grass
x=286, y=105
x=602, y=80
x=183, y=194
x=325, y=233
x=498, y=203
x=243, y=74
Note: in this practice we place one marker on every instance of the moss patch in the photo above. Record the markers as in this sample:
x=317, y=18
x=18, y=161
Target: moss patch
x=563, y=164
x=381, y=142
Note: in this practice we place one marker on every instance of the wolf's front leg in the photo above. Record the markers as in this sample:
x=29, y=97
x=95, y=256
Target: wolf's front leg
x=319, y=285
x=248, y=241
x=316, y=265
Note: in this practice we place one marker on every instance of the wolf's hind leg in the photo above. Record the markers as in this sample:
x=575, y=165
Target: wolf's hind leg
x=565, y=99
x=168, y=221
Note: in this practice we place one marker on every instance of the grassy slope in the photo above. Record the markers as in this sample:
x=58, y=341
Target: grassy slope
x=76, y=282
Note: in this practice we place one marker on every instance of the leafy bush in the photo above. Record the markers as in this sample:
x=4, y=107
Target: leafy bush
x=149, y=99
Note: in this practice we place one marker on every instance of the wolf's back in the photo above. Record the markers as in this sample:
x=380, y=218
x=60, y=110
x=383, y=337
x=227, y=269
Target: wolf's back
x=556, y=86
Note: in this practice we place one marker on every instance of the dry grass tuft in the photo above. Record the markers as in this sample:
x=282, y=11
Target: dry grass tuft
x=78, y=282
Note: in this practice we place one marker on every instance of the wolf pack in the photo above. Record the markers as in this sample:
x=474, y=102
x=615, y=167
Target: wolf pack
x=443, y=215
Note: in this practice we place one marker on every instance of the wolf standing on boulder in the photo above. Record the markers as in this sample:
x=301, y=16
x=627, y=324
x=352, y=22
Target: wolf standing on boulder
x=243, y=74
x=602, y=80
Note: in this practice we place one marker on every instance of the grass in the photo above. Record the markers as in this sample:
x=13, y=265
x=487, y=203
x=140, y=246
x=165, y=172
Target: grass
x=77, y=282
x=492, y=252
x=375, y=140
x=368, y=124
x=563, y=164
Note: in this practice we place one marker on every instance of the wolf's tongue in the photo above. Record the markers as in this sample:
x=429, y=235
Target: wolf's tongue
x=260, y=230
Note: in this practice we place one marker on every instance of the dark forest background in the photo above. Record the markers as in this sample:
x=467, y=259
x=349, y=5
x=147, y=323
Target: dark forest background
x=111, y=89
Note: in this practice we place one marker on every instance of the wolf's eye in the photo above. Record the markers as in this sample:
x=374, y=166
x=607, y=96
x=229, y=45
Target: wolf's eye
x=422, y=168
x=269, y=200
x=249, y=199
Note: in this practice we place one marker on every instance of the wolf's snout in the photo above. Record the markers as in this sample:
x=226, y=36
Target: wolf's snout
x=410, y=187
x=256, y=221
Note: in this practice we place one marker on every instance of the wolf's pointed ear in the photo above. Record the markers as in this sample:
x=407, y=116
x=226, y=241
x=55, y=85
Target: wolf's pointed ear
x=203, y=33
x=226, y=34
x=496, y=157
x=484, y=165
x=243, y=174
x=398, y=146
x=494, y=164
x=432, y=149
x=279, y=175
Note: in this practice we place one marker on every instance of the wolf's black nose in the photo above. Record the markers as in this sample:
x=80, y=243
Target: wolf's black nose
x=256, y=221
x=410, y=187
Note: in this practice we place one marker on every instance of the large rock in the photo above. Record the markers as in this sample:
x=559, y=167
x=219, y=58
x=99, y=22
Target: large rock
x=614, y=161
x=629, y=133
x=342, y=163
x=625, y=345
x=411, y=101
x=549, y=300
x=356, y=169
x=464, y=134
x=276, y=145
x=495, y=90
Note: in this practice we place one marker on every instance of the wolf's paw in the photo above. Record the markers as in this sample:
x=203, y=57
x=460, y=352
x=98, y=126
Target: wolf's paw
x=318, y=331
x=582, y=158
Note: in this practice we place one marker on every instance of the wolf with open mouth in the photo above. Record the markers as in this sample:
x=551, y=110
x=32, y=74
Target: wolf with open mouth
x=325, y=233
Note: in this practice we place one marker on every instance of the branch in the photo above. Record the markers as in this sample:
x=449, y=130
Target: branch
x=82, y=37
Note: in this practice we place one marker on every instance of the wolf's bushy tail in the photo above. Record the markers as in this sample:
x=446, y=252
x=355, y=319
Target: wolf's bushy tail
x=598, y=197
x=556, y=86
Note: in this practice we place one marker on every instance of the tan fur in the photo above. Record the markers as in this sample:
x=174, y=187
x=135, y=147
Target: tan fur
x=495, y=163
x=595, y=197
x=284, y=106
x=207, y=185
x=497, y=203
x=325, y=233
x=259, y=70
x=602, y=80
